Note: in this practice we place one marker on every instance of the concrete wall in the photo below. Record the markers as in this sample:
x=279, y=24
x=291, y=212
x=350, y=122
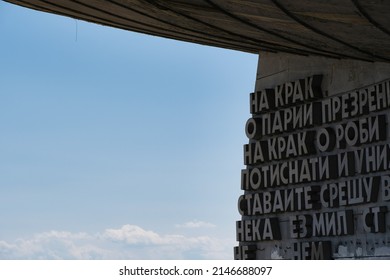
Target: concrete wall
x=361, y=240
x=339, y=75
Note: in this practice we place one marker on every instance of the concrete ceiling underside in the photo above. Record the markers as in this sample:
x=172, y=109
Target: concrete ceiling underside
x=354, y=29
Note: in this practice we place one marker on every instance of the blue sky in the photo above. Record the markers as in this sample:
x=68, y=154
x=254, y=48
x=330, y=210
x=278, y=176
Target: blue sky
x=116, y=144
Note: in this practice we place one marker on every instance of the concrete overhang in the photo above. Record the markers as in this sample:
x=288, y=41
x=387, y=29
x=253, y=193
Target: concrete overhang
x=351, y=29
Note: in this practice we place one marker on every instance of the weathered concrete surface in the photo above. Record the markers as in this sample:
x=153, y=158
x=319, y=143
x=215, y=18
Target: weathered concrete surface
x=340, y=78
x=340, y=75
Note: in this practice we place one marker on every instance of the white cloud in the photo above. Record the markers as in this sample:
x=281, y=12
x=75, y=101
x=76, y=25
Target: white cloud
x=196, y=224
x=126, y=242
x=132, y=234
